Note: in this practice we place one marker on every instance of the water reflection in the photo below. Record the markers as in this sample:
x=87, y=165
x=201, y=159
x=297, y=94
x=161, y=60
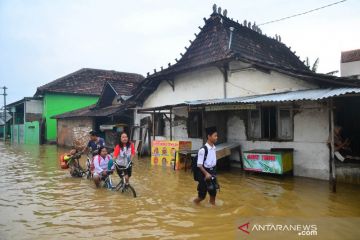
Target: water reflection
x=38, y=200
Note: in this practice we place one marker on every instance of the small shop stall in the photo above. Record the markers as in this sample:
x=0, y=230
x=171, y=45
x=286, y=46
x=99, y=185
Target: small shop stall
x=166, y=153
x=276, y=161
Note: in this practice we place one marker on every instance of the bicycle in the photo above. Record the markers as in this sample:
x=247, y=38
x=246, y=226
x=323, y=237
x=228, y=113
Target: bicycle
x=122, y=186
x=75, y=168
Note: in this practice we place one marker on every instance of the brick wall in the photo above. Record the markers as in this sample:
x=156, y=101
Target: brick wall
x=74, y=131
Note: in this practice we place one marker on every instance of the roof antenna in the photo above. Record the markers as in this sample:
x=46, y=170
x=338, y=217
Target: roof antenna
x=214, y=8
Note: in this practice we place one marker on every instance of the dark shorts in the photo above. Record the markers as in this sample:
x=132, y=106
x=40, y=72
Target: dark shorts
x=202, y=187
x=127, y=171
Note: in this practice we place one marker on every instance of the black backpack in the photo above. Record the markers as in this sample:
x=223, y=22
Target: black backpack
x=196, y=171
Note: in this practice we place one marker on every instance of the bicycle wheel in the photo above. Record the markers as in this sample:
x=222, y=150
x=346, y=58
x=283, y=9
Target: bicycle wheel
x=129, y=190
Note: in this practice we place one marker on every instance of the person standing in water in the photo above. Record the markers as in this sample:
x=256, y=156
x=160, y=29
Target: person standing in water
x=206, y=164
x=124, y=152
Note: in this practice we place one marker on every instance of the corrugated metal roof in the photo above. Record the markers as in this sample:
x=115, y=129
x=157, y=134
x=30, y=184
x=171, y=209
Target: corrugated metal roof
x=301, y=95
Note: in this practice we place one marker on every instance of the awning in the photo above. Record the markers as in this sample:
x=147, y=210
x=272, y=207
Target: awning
x=300, y=95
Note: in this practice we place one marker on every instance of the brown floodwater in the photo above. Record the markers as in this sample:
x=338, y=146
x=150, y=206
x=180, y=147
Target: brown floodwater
x=38, y=200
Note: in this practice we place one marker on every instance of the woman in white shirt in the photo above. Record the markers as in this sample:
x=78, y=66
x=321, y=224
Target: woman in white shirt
x=102, y=164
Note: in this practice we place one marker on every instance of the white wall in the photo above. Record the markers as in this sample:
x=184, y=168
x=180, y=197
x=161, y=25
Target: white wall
x=311, y=132
x=243, y=81
x=208, y=83
x=34, y=106
x=202, y=84
x=350, y=68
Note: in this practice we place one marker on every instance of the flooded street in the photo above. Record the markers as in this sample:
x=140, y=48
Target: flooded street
x=38, y=200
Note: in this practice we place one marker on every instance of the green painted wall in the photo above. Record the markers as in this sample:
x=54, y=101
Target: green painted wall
x=32, y=134
x=55, y=104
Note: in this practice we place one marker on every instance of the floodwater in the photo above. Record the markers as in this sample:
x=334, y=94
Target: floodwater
x=38, y=200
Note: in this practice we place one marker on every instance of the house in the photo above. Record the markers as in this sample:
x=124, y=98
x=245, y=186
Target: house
x=74, y=91
x=108, y=114
x=350, y=64
x=26, y=124
x=255, y=90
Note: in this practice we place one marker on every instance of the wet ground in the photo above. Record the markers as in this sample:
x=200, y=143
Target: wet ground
x=38, y=200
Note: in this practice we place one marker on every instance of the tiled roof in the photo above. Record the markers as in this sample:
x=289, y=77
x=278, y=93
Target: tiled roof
x=212, y=45
x=92, y=111
x=350, y=56
x=248, y=44
x=89, y=81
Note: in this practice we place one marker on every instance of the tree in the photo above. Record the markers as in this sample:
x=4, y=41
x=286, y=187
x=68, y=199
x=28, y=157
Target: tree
x=314, y=66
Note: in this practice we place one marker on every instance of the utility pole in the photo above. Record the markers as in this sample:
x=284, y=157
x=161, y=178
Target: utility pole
x=4, y=88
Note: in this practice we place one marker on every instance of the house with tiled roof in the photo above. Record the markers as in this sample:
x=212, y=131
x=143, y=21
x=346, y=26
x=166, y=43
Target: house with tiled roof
x=78, y=90
x=257, y=92
x=110, y=115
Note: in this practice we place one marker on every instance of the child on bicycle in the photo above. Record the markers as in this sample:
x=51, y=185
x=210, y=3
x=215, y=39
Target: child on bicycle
x=124, y=153
x=102, y=164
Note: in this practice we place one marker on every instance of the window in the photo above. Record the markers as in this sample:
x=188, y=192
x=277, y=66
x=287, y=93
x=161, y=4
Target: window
x=270, y=123
x=159, y=124
x=285, y=124
x=194, y=125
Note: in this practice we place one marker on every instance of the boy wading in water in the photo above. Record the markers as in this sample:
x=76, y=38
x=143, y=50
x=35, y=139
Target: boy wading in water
x=206, y=164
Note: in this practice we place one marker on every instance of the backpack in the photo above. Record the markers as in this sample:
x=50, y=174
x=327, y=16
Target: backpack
x=196, y=171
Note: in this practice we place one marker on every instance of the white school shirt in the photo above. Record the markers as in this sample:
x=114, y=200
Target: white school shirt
x=211, y=156
x=103, y=166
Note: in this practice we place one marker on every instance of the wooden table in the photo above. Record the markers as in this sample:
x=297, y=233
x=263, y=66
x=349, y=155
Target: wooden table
x=222, y=150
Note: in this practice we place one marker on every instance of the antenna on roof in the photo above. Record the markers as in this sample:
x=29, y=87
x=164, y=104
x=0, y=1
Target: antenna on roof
x=225, y=13
x=214, y=8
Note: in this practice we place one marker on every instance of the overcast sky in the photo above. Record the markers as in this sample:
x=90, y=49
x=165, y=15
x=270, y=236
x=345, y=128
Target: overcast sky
x=44, y=40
